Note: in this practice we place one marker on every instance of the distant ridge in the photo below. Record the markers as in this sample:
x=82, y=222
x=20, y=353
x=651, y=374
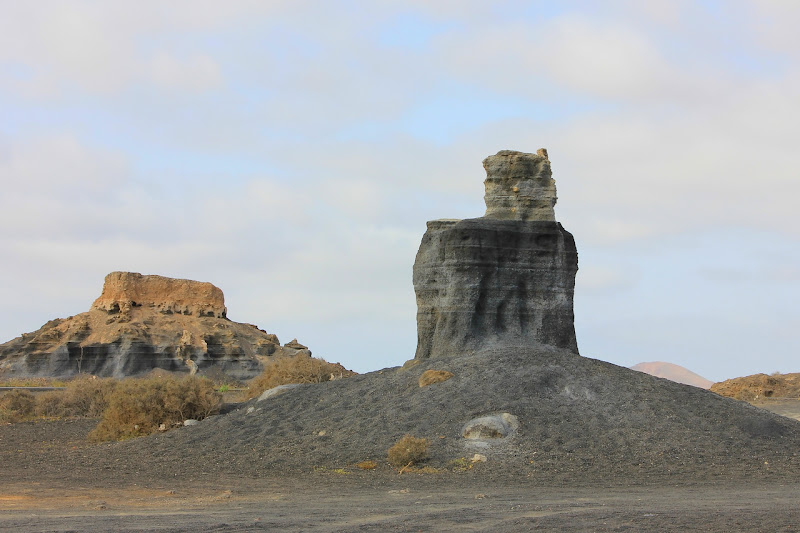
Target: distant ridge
x=673, y=372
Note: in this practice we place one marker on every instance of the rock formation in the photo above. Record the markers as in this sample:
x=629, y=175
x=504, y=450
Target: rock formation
x=507, y=277
x=140, y=323
x=124, y=290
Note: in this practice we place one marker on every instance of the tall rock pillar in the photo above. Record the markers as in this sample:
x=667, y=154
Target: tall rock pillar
x=507, y=277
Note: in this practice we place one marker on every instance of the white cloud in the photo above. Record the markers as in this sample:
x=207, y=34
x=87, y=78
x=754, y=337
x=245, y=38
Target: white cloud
x=268, y=146
x=197, y=73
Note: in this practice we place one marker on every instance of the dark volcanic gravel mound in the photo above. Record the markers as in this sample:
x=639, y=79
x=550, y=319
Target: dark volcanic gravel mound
x=578, y=417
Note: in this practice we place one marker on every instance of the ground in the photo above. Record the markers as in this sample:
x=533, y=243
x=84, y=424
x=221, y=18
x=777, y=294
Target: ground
x=598, y=448
x=51, y=484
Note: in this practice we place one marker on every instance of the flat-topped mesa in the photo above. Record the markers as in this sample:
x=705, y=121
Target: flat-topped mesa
x=505, y=278
x=124, y=290
x=519, y=186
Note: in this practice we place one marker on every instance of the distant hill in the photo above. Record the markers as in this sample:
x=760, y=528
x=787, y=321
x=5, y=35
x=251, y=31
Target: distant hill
x=673, y=372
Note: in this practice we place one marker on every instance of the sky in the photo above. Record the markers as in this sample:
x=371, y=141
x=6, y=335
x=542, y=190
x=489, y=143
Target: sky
x=291, y=153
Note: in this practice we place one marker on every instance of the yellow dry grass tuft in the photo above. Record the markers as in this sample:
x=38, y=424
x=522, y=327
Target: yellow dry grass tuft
x=407, y=451
x=296, y=369
x=429, y=377
x=367, y=465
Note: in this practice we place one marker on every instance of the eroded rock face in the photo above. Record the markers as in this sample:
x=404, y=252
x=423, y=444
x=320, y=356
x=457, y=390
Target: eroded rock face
x=124, y=290
x=141, y=323
x=519, y=186
x=506, y=277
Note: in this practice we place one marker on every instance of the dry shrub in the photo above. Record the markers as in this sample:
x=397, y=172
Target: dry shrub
x=408, y=450
x=16, y=405
x=85, y=396
x=429, y=377
x=296, y=369
x=31, y=382
x=50, y=404
x=138, y=407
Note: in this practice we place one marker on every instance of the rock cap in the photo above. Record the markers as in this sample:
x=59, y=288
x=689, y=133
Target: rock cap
x=123, y=290
x=519, y=186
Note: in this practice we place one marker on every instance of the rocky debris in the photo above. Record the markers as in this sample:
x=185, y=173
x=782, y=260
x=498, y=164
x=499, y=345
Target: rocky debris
x=760, y=386
x=673, y=372
x=507, y=277
x=295, y=348
x=141, y=323
x=296, y=345
x=123, y=291
x=430, y=377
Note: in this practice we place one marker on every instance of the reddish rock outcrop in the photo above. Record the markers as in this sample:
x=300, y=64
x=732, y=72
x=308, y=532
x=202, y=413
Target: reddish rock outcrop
x=760, y=386
x=124, y=290
x=140, y=323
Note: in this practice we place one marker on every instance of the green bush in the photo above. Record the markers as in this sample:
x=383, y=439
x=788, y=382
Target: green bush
x=138, y=407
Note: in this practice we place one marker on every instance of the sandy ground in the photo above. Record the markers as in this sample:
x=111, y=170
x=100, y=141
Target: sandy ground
x=783, y=406
x=598, y=448
x=33, y=498
x=402, y=503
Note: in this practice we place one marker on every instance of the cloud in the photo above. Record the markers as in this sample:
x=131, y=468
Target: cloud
x=197, y=73
x=289, y=153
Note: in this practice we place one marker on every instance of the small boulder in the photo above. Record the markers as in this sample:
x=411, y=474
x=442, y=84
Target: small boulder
x=294, y=344
x=490, y=427
x=275, y=391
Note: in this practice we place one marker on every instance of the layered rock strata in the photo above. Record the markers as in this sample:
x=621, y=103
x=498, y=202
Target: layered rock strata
x=141, y=323
x=507, y=277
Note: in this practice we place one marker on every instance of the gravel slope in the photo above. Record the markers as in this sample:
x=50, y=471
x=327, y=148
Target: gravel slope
x=579, y=419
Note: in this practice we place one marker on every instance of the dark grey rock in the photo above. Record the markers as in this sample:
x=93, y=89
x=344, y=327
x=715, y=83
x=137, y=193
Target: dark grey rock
x=506, y=277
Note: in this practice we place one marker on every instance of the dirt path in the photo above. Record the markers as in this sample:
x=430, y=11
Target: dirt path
x=412, y=503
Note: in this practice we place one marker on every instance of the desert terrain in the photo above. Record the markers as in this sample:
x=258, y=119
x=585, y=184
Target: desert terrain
x=587, y=456
x=498, y=423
